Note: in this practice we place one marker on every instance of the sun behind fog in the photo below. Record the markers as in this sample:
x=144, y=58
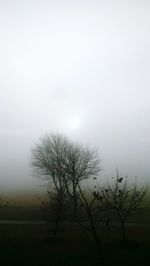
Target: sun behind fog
x=74, y=123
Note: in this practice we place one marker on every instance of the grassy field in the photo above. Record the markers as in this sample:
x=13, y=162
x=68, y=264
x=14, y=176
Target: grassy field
x=32, y=245
x=20, y=213
x=34, y=213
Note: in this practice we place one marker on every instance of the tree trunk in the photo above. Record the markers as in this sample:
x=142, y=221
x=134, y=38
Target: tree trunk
x=75, y=207
x=123, y=232
x=57, y=219
x=96, y=239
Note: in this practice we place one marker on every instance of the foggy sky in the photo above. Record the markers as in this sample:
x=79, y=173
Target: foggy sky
x=75, y=67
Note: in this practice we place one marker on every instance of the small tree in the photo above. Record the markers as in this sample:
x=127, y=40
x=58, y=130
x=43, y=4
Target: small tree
x=92, y=217
x=64, y=165
x=82, y=164
x=121, y=198
x=49, y=156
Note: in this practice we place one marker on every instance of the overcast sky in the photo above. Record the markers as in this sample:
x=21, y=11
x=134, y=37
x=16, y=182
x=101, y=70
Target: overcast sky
x=77, y=67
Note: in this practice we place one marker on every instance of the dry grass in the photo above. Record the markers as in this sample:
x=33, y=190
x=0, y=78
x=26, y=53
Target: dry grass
x=33, y=245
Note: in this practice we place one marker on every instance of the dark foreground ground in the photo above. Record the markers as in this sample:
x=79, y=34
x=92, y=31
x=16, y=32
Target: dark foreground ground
x=32, y=245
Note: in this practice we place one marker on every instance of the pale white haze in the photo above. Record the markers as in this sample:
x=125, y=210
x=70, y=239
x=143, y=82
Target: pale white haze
x=81, y=68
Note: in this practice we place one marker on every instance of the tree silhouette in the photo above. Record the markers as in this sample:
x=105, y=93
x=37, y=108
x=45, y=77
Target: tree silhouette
x=48, y=158
x=121, y=198
x=64, y=164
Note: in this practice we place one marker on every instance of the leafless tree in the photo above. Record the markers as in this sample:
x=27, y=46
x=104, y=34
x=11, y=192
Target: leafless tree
x=64, y=164
x=121, y=198
x=48, y=157
x=82, y=164
x=92, y=217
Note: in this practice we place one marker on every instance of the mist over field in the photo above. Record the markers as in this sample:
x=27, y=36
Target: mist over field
x=80, y=68
x=74, y=132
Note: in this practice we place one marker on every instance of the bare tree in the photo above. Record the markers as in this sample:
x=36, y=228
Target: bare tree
x=121, y=198
x=92, y=220
x=64, y=164
x=49, y=156
x=82, y=163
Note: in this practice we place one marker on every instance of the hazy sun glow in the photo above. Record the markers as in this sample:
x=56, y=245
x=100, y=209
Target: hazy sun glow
x=74, y=123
